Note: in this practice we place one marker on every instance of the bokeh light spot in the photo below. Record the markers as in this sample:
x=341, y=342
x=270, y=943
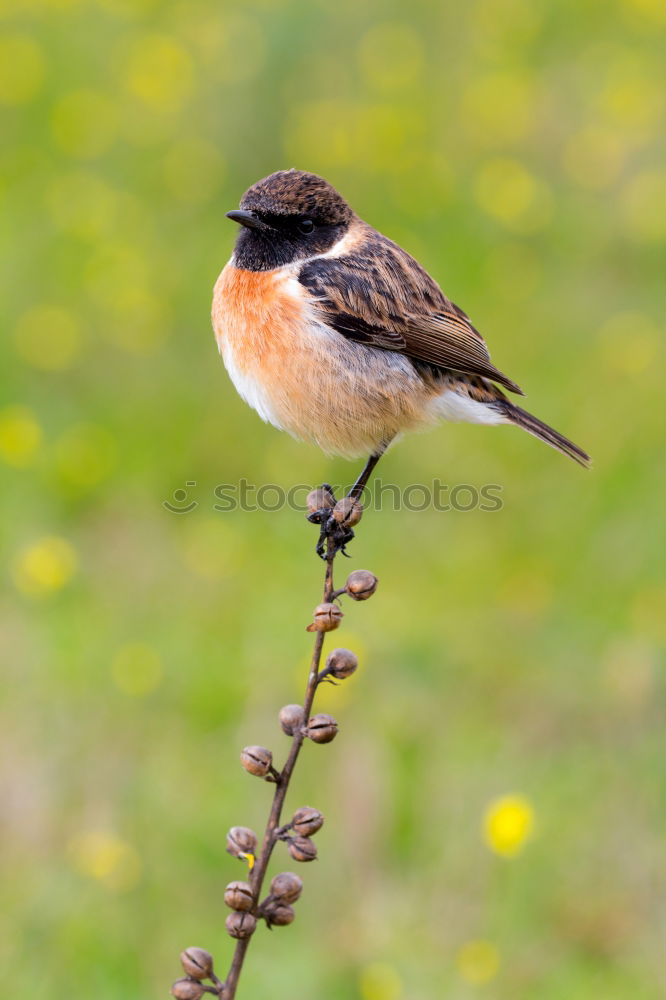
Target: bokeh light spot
x=85, y=455
x=48, y=337
x=643, y=203
x=21, y=69
x=160, y=72
x=380, y=981
x=508, y=192
x=391, y=56
x=508, y=824
x=498, y=108
x=81, y=204
x=193, y=170
x=593, y=157
x=44, y=566
x=629, y=342
x=20, y=436
x=137, y=669
x=107, y=859
x=84, y=123
x=478, y=962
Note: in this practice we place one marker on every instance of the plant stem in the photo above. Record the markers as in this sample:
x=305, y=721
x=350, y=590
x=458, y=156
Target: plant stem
x=281, y=788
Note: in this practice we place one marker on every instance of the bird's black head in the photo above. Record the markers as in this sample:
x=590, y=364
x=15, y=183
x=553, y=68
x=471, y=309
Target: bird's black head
x=288, y=216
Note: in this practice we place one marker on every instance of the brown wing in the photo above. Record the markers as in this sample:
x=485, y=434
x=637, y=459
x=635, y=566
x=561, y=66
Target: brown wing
x=379, y=295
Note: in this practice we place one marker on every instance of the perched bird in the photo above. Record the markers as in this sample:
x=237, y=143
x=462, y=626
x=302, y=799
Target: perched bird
x=334, y=333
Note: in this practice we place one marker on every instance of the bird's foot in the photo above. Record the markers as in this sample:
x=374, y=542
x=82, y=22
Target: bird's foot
x=335, y=532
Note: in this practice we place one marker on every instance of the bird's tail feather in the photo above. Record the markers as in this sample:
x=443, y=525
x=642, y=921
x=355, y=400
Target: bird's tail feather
x=521, y=418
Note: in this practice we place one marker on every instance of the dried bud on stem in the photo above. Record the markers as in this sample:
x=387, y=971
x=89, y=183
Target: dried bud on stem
x=327, y=617
x=320, y=499
x=321, y=728
x=303, y=849
x=340, y=663
x=291, y=719
x=361, y=584
x=241, y=840
x=348, y=511
x=257, y=760
x=277, y=914
x=306, y=821
x=240, y=925
x=187, y=989
x=197, y=963
x=238, y=896
x=287, y=887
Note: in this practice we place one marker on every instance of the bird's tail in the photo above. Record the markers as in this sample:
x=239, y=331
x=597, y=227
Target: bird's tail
x=521, y=418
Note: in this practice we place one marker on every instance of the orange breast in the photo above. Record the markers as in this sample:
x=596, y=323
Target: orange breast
x=256, y=318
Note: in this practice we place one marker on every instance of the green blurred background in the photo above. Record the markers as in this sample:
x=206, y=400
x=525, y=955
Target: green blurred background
x=517, y=149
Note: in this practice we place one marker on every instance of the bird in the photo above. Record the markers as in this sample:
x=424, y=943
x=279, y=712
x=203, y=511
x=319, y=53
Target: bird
x=334, y=333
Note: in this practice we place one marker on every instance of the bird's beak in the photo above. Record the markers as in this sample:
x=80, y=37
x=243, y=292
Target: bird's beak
x=248, y=219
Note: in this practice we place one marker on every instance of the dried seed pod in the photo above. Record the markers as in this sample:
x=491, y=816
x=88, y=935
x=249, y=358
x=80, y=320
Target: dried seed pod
x=306, y=821
x=348, y=511
x=278, y=914
x=291, y=719
x=326, y=618
x=303, y=849
x=319, y=500
x=197, y=963
x=187, y=989
x=341, y=663
x=287, y=887
x=240, y=925
x=361, y=584
x=322, y=728
x=241, y=840
x=238, y=896
x=256, y=760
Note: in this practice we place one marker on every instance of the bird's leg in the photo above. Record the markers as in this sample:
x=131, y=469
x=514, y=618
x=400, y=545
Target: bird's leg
x=334, y=526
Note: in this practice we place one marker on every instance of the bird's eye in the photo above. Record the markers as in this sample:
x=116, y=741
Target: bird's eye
x=305, y=226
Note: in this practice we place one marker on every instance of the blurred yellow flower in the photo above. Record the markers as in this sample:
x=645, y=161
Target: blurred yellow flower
x=48, y=337
x=508, y=192
x=84, y=123
x=643, y=204
x=44, y=566
x=160, y=72
x=478, y=962
x=20, y=435
x=137, y=669
x=632, y=97
x=594, y=156
x=21, y=68
x=498, y=108
x=380, y=981
x=106, y=858
x=653, y=9
x=391, y=56
x=629, y=342
x=193, y=170
x=508, y=824
x=85, y=454
x=82, y=203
